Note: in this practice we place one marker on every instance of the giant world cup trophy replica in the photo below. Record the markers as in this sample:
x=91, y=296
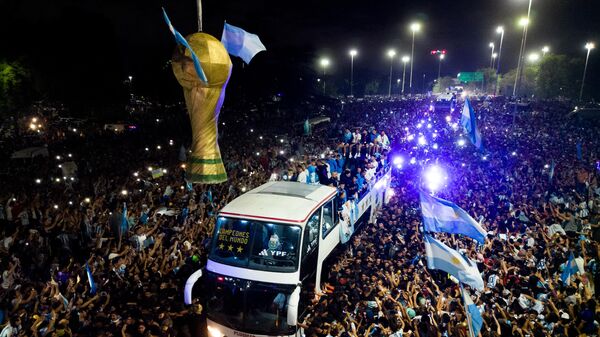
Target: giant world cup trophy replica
x=203, y=102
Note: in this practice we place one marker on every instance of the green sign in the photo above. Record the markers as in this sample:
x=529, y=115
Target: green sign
x=467, y=77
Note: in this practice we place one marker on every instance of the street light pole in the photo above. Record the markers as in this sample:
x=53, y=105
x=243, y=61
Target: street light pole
x=414, y=27
x=324, y=64
x=523, y=47
x=524, y=22
x=405, y=59
x=391, y=53
x=440, y=67
x=491, y=55
x=499, y=30
x=589, y=46
x=353, y=53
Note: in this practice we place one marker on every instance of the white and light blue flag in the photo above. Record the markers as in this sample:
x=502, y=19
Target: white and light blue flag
x=442, y=257
x=569, y=269
x=240, y=43
x=182, y=41
x=88, y=272
x=469, y=123
x=473, y=313
x=551, y=172
x=440, y=215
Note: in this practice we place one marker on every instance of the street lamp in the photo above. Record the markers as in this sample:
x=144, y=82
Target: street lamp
x=524, y=22
x=414, y=27
x=533, y=57
x=405, y=60
x=391, y=53
x=324, y=65
x=499, y=30
x=353, y=53
x=491, y=58
x=545, y=49
x=440, y=66
x=589, y=46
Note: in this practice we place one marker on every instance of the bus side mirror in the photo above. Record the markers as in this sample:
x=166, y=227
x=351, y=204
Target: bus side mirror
x=292, y=312
x=189, y=285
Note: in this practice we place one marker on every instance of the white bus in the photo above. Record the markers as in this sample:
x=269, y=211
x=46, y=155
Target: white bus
x=268, y=252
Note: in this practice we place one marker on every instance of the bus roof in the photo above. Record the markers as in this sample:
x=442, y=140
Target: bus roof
x=281, y=201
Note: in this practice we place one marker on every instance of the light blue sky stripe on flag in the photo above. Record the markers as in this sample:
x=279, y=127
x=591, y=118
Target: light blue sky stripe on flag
x=442, y=257
x=240, y=43
x=441, y=215
x=182, y=41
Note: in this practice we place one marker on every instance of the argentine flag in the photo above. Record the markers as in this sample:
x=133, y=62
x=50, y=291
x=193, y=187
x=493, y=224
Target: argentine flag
x=467, y=120
x=182, y=41
x=90, y=279
x=442, y=257
x=440, y=215
x=570, y=269
x=473, y=314
x=240, y=43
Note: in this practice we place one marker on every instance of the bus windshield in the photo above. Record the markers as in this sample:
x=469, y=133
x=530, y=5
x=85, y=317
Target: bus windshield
x=256, y=245
x=250, y=306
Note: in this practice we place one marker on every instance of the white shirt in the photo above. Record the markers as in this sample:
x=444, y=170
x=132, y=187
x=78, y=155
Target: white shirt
x=168, y=191
x=8, y=331
x=385, y=141
x=302, y=176
x=24, y=218
x=7, y=281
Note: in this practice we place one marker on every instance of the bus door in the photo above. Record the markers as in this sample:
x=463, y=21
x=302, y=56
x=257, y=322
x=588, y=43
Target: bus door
x=308, y=262
x=329, y=240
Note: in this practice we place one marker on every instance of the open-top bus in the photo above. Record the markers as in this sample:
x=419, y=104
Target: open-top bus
x=268, y=252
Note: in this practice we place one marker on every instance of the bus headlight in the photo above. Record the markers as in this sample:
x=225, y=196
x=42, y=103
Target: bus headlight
x=214, y=332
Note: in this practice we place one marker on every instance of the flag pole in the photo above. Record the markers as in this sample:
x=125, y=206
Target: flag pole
x=199, y=6
x=462, y=292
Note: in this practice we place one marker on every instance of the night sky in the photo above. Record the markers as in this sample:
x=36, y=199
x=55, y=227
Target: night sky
x=85, y=49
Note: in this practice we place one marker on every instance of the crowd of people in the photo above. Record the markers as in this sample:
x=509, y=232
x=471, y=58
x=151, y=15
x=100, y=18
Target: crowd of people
x=106, y=251
x=535, y=190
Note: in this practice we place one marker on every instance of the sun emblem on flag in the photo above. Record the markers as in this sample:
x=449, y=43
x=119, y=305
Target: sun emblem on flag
x=455, y=260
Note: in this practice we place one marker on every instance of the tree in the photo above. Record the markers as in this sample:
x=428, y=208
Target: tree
x=489, y=79
x=13, y=77
x=528, y=80
x=558, y=76
x=372, y=88
x=443, y=84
